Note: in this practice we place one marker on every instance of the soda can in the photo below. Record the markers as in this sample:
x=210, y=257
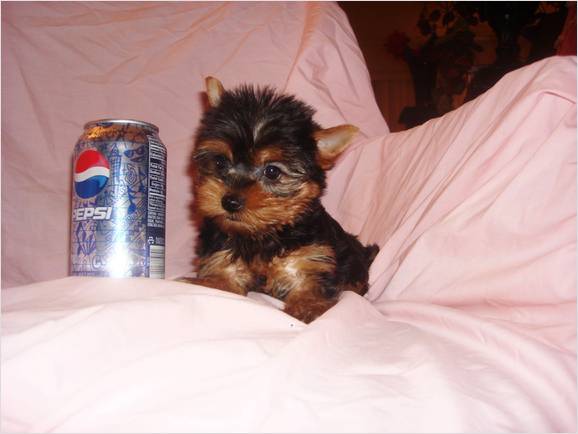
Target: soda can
x=118, y=200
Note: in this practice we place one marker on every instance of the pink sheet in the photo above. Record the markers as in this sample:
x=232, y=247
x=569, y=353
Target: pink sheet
x=477, y=210
x=100, y=355
x=470, y=321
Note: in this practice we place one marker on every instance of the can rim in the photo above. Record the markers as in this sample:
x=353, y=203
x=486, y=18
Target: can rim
x=121, y=121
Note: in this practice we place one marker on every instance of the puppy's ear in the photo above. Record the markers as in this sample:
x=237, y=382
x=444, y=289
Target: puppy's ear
x=332, y=142
x=214, y=91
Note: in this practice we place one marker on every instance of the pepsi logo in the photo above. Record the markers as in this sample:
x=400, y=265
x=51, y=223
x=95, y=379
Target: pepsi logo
x=91, y=173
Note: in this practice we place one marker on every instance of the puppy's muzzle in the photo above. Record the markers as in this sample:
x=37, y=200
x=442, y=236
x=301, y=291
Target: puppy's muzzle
x=232, y=203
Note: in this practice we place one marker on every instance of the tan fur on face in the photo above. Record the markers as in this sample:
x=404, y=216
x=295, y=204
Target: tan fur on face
x=265, y=212
x=208, y=194
x=216, y=147
x=267, y=155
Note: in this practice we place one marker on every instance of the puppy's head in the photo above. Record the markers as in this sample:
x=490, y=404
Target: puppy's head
x=261, y=159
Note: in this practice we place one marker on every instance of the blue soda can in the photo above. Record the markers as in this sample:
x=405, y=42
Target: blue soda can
x=118, y=200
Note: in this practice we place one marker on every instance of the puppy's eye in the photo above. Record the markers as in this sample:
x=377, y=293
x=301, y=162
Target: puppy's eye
x=272, y=172
x=221, y=162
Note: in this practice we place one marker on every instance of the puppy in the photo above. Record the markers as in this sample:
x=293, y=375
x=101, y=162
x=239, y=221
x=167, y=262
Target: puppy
x=259, y=173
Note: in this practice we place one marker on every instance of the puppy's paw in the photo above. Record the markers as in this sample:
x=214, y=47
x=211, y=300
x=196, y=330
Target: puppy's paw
x=307, y=307
x=212, y=283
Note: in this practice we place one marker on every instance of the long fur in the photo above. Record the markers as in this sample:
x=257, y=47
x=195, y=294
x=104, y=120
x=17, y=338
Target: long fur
x=282, y=241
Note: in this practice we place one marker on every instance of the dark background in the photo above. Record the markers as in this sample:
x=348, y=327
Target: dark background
x=427, y=58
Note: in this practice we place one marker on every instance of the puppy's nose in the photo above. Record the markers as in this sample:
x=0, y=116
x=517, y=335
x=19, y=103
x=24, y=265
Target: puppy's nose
x=232, y=203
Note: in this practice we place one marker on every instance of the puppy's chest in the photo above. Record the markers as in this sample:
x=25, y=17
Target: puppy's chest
x=300, y=269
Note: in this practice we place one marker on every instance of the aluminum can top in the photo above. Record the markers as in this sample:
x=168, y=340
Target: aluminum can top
x=106, y=122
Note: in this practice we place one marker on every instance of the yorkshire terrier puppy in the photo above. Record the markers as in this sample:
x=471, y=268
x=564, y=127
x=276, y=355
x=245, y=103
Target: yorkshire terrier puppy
x=259, y=172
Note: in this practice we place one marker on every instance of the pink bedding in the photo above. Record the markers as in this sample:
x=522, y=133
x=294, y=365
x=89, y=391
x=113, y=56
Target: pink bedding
x=470, y=321
x=100, y=355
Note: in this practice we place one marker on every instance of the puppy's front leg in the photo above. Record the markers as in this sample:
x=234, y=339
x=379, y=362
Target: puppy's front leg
x=219, y=270
x=306, y=277
x=307, y=305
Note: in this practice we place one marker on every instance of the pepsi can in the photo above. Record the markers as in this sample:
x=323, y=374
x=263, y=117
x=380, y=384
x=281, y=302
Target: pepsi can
x=118, y=200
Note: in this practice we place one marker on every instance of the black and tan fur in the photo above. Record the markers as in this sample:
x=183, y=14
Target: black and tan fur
x=260, y=163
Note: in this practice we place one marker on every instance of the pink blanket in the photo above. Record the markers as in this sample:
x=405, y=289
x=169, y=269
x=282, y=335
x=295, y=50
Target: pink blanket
x=470, y=321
